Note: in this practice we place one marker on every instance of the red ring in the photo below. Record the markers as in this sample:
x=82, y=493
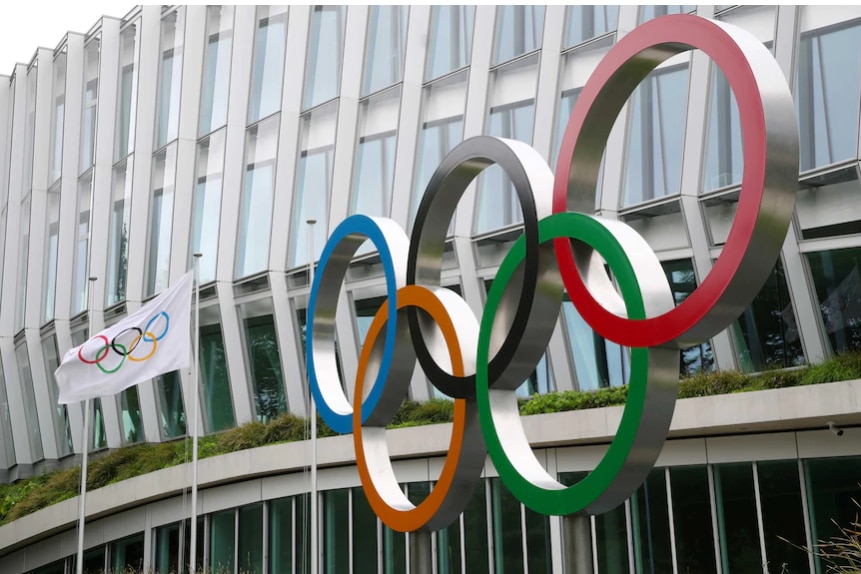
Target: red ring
x=98, y=359
x=716, y=42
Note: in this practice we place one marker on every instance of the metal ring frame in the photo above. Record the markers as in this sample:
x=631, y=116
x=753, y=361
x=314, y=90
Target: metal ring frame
x=480, y=363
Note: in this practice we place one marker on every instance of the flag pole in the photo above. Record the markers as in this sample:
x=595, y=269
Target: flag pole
x=79, y=565
x=195, y=379
x=314, y=541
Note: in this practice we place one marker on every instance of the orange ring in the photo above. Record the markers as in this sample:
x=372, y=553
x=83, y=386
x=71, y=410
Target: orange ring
x=415, y=518
x=135, y=342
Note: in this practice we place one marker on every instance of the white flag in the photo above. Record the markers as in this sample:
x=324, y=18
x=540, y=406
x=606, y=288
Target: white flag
x=151, y=341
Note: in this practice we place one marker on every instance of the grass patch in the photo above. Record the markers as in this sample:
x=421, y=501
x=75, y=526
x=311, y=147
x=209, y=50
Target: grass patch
x=29, y=495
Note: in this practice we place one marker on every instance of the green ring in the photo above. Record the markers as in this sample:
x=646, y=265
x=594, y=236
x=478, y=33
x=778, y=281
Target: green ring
x=117, y=368
x=581, y=495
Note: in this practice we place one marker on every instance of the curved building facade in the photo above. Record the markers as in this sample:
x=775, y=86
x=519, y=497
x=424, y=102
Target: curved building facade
x=223, y=130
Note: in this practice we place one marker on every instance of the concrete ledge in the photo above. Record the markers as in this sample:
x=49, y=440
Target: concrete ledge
x=790, y=409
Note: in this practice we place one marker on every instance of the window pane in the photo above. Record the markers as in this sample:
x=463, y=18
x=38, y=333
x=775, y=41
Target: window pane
x=30, y=413
x=100, y=439
x=170, y=76
x=82, y=246
x=692, y=519
x=268, y=70
x=49, y=276
x=448, y=549
x=450, y=39
x=161, y=220
x=651, y=523
x=723, y=162
x=539, y=555
x=94, y=560
x=737, y=523
x=217, y=402
x=598, y=363
x=57, y=117
x=384, y=53
x=782, y=515
x=838, y=290
x=23, y=260
x=313, y=182
x=216, y=68
x=207, y=203
x=127, y=554
x=507, y=529
x=171, y=407
x=62, y=428
x=611, y=541
x=475, y=530
x=829, y=63
x=264, y=360
x=683, y=281
x=364, y=534
x=325, y=46
x=587, y=22
x=7, y=454
x=649, y=12
x=130, y=416
x=281, y=535
x=222, y=528
x=119, y=232
x=251, y=539
x=167, y=549
x=127, y=104
x=336, y=531
x=766, y=334
x=833, y=491
x=518, y=31
x=201, y=542
x=91, y=104
x=257, y=197
x=656, y=135
x=375, y=154
x=303, y=536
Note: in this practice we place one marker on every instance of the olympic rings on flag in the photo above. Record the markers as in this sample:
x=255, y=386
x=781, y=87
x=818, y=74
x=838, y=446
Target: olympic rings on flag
x=481, y=363
x=122, y=350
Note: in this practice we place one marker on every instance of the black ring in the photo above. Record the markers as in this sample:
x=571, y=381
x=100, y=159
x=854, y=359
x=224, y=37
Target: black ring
x=133, y=347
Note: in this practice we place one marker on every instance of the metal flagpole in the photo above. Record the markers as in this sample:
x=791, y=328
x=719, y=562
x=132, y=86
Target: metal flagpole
x=192, y=551
x=79, y=565
x=314, y=541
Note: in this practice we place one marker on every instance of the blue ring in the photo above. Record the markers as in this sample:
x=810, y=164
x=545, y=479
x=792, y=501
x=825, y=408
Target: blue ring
x=149, y=323
x=366, y=226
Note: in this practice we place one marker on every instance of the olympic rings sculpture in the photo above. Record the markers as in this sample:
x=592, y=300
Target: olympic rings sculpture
x=122, y=351
x=480, y=362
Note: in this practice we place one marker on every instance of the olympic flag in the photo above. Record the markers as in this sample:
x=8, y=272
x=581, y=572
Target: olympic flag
x=151, y=341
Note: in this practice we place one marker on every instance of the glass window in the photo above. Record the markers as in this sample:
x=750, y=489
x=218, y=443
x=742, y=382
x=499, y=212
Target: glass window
x=23, y=256
x=833, y=492
x=49, y=276
x=325, y=48
x=251, y=539
x=170, y=76
x=518, y=31
x=100, y=439
x=57, y=117
x=587, y=22
x=386, y=46
x=611, y=540
x=692, y=519
x=263, y=358
x=119, y=232
x=364, y=534
x=539, y=554
x=216, y=68
x=507, y=528
x=838, y=290
x=127, y=104
x=29, y=131
x=268, y=70
x=450, y=40
x=257, y=197
x=375, y=154
x=449, y=550
x=62, y=427
x=782, y=515
x=650, y=519
x=217, y=401
x=82, y=245
x=394, y=551
x=7, y=454
x=303, y=534
x=598, y=363
x=336, y=531
x=91, y=104
x=130, y=416
x=127, y=554
x=766, y=334
x=167, y=549
x=222, y=540
x=737, y=520
x=161, y=220
x=207, y=203
x=649, y=12
x=94, y=560
x=281, y=535
x=656, y=135
x=58, y=567
x=827, y=88
x=683, y=281
x=313, y=182
x=566, y=105
x=170, y=402
x=475, y=530
x=723, y=162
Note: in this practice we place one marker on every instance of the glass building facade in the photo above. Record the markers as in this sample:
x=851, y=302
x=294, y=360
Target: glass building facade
x=223, y=129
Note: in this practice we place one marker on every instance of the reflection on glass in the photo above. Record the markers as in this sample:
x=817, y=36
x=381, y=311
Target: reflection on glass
x=62, y=426
x=386, y=45
x=222, y=540
x=683, y=281
x=29, y=131
x=216, y=68
x=251, y=539
x=448, y=549
x=119, y=232
x=127, y=104
x=268, y=69
x=450, y=39
x=838, y=290
x=656, y=135
x=649, y=12
x=587, y=22
x=539, y=555
x=264, y=363
x=31, y=414
x=832, y=492
x=651, y=525
x=170, y=76
x=829, y=65
x=257, y=197
x=7, y=453
x=49, y=275
x=723, y=162
x=475, y=530
x=215, y=381
x=82, y=245
x=598, y=363
x=498, y=205
x=207, y=203
x=325, y=47
x=611, y=541
x=169, y=387
x=766, y=334
x=94, y=560
x=313, y=182
x=566, y=105
x=57, y=117
x=737, y=522
x=130, y=416
x=281, y=535
x=336, y=531
x=303, y=534
x=782, y=515
x=167, y=548
x=161, y=220
x=127, y=554
x=364, y=534
x=507, y=528
x=375, y=155
x=91, y=104
x=23, y=257
x=692, y=519
x=518, y=31
x=436, y=140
